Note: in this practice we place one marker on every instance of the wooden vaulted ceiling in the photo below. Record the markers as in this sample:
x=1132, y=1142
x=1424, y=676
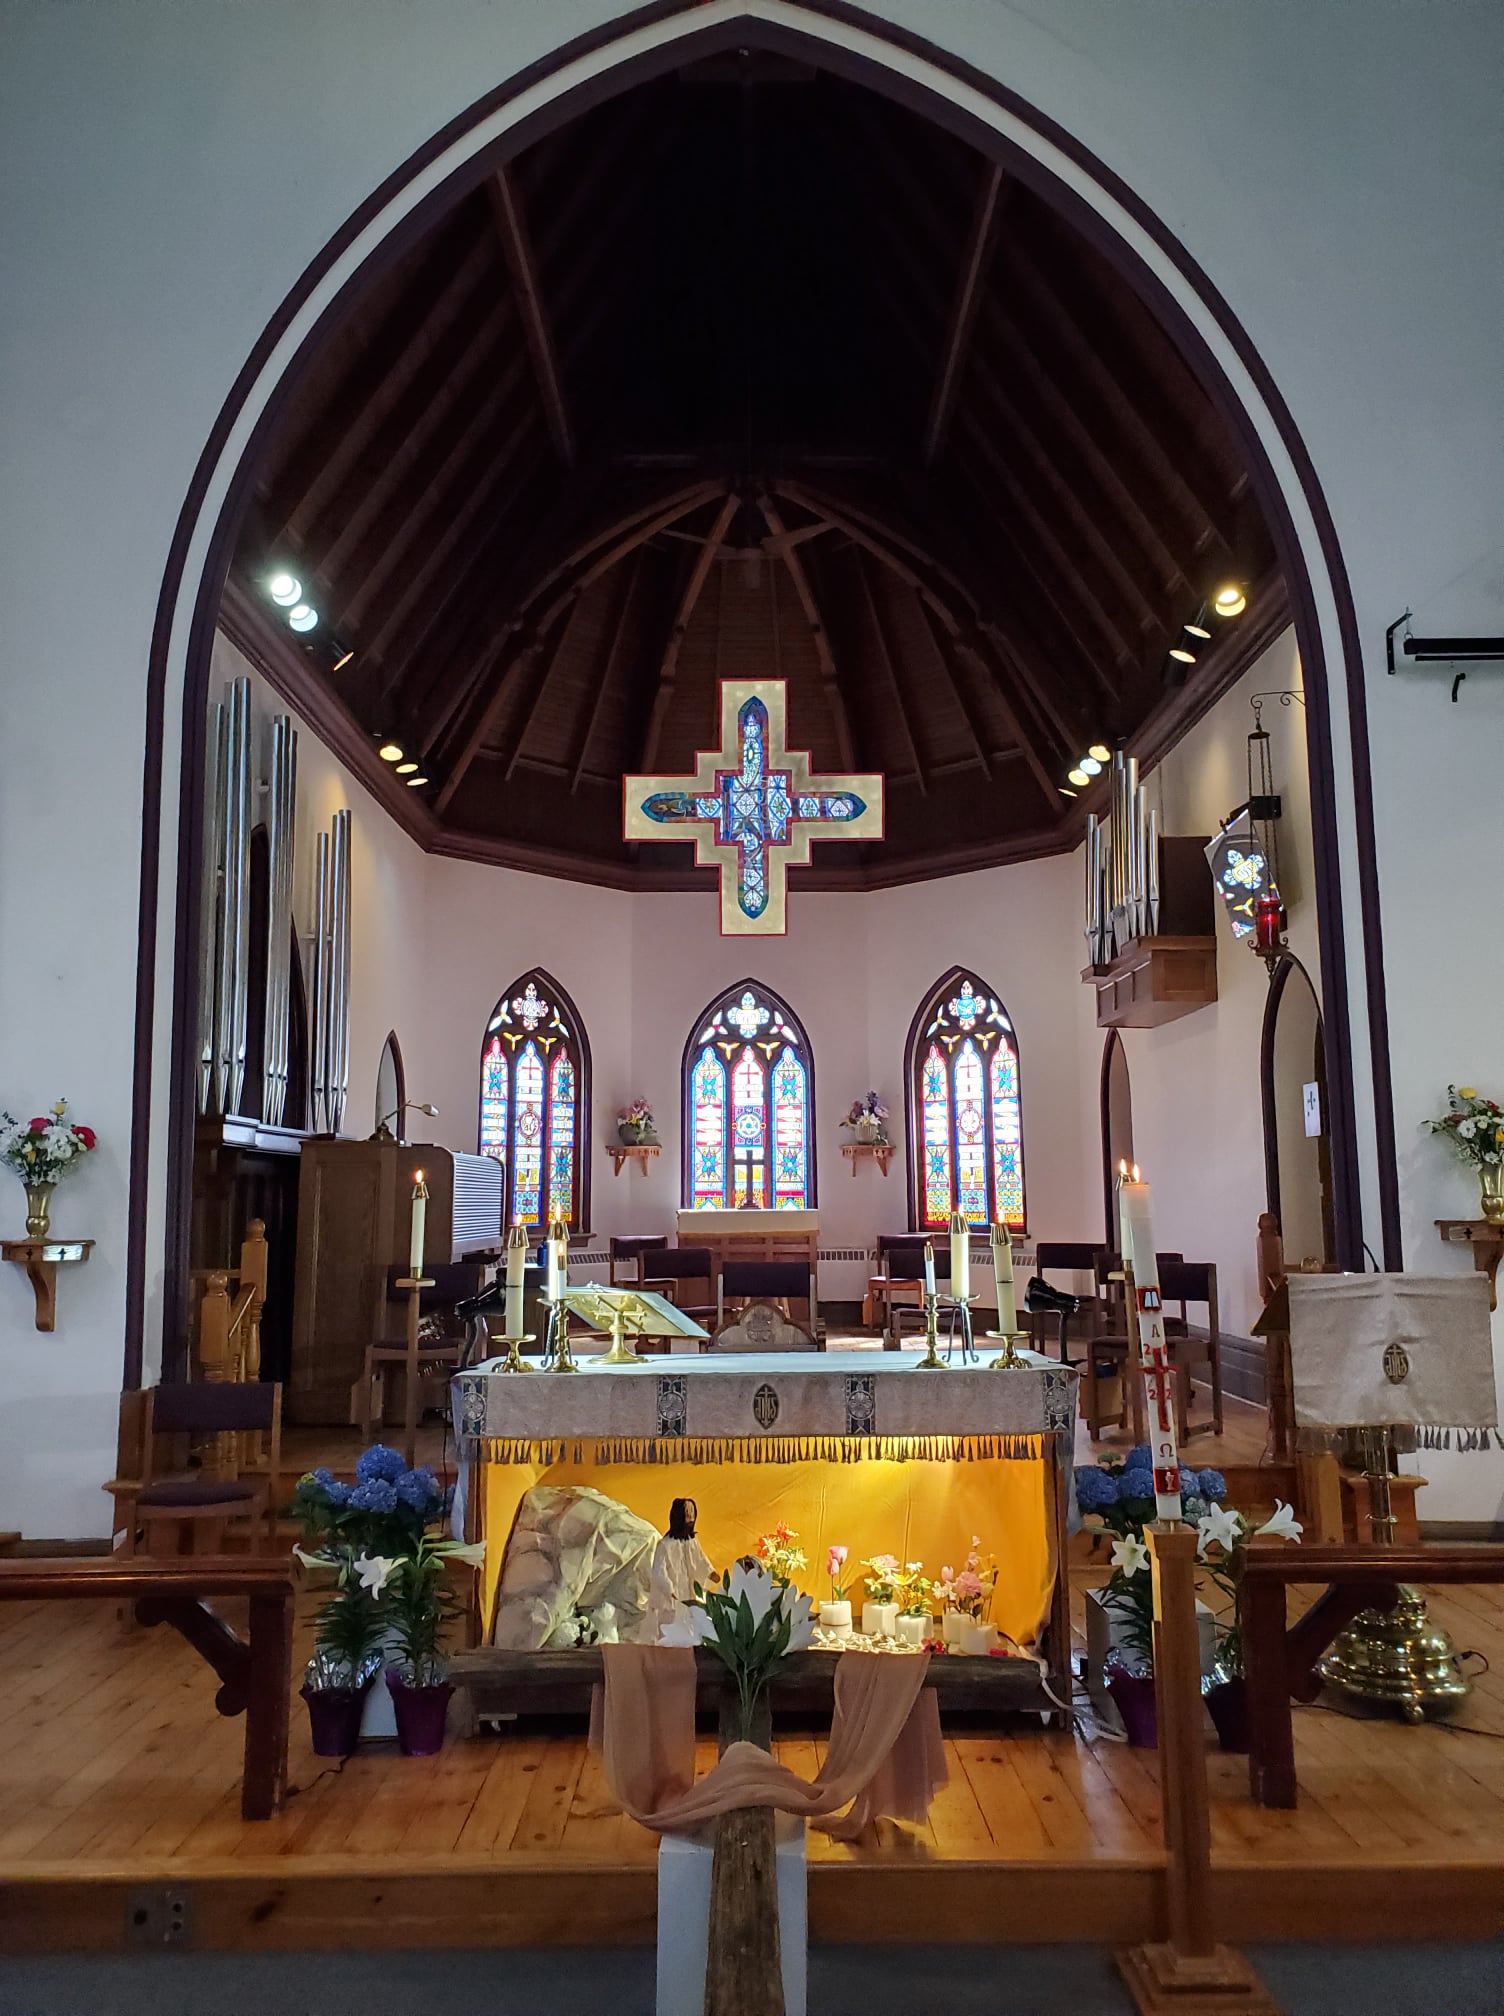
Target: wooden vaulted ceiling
x=747, y=372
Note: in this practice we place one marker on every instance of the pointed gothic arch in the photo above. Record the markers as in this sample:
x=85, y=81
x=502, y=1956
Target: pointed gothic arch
x=965, y=1107
x=748, y=1094
x=535, y=1102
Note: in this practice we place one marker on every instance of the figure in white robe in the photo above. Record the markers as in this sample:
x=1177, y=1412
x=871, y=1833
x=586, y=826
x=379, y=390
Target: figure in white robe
x=680, y=1567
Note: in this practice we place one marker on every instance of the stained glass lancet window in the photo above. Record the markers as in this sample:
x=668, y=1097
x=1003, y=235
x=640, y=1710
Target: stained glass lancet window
x=748, y=1100
x=964, y=1113
x=534, y=1101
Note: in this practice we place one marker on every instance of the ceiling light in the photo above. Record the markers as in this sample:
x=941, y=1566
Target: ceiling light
x=1066, y=794
x=285, y=589
x=1101, y=751
x=391, y=752
x=1078, y=777
x=1197, y=630
x=406, y=769
x=413, y=782
x=1230, y=601
x=1185, y=657
x=345, y=655
x=1091, y=766
x=303, y=617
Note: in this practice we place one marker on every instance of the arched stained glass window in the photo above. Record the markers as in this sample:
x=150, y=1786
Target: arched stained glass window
x=964, y=1112
x=535, y=1101
x=748, y=1105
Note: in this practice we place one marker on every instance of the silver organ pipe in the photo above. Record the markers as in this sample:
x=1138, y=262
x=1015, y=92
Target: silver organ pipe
x=210, y=896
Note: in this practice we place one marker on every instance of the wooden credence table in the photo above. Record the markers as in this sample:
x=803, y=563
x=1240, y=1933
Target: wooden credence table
x=1280, y=1665
x=254, y=1671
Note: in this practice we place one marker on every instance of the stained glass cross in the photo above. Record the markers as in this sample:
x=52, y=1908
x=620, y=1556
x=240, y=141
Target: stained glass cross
x=755, y=807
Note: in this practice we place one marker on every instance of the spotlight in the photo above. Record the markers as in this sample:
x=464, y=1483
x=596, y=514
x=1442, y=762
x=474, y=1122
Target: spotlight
x=303, y=617
x=1183, y=656
x=1100, y=751
x=1197, y=630
x=1078, y=777
x=1230, y=601
x=1066, y=794
x=414, y=782
x=390, y=752
x=1091, y=766
x=406, y=769
x=345, y=654
x=285, y=589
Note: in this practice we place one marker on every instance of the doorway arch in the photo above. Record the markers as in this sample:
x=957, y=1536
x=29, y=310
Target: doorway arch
x=1036, y=149
x=1116, y=1102
x=1293, y=1100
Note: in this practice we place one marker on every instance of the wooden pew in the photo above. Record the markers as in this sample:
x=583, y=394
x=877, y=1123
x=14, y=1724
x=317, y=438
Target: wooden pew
x=254, y=1672
x=1279, y=1664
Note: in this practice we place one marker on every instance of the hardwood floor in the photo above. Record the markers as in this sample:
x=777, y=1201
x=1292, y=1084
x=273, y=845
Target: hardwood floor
x=116, y=1773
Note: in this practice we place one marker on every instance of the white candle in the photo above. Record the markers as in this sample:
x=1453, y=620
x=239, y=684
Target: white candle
x=960, y=1256
x=929, y=1268
x=559, y=1239
x=516, y=1265
x=1159, y=1375
x=1002, y=1269
x=420, y=1220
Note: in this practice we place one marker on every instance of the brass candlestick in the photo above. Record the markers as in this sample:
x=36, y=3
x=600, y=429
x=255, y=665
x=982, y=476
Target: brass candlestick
x=621, y=1352
x=560, y=1358
x=1007, y=1359
x=931, y=1361
x=514, y=1361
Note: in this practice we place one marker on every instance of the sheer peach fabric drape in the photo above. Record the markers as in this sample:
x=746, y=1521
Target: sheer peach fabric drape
x=885, y=1755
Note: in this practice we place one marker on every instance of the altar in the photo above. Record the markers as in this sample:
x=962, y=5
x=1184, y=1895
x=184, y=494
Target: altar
x=850, y=1448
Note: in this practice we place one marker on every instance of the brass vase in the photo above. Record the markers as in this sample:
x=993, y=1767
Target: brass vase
x=1491, y=1184
x=38, y=1209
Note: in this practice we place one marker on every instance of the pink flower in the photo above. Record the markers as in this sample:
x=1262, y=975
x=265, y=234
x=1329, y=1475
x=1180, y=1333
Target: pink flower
x=36, y=1126
x=947, y=1574
x=837, y=1556
x=969, y=1585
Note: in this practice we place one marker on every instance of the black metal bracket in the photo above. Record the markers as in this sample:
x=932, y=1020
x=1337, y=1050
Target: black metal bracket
x=1443, y=650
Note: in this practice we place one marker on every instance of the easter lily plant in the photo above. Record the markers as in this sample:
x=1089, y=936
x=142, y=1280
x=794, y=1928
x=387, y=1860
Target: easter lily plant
x=752, y=1622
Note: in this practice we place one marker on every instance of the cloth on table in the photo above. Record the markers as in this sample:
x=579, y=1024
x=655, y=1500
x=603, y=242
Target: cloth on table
x=885, y=1756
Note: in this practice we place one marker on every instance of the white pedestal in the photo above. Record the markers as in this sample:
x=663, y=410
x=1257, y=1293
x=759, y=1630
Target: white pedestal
x=684, y=1917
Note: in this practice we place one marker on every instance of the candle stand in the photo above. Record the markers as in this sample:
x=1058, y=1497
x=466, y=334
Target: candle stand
x=931, y=1361
x=414, y=1284
x=556, y=1350
x=1007, y=1359
x=514, y=1360
x=960, y=1315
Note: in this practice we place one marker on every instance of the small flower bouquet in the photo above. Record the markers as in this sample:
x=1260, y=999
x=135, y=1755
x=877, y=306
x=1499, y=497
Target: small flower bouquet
x=970, y=1592
x=868, y=1119
x=42, y=1153
x=1474, y=1126
x=634, y=1122
x=780, y=1553
x=835, y=1568
x=914, y=1590
x=752, y=1621
x=881, y=1580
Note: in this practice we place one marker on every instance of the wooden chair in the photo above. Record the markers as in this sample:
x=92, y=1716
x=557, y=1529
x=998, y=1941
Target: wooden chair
x=199, y=1503
x=1186, y=1281
x=1067, y=1256
x=899, y=1287
x=439, y=1353
x=628, y=1251
x=782, y=1281
x=675, y=1271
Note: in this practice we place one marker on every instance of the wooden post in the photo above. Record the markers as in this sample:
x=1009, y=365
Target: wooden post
x=1190, y=1971
x=253, y=1266
x=214, y=1328
x=744, y=1960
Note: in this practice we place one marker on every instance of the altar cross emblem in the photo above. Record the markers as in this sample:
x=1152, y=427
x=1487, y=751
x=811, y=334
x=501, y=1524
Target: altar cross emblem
x=755, y=807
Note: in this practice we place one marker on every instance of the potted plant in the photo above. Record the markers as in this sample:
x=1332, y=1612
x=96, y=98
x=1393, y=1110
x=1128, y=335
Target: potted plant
x=835, y=1615
x=1475, y=1127
x=347, y=1651
x=420, y=1605
x=42, y=1153
x=914, y=1590
x=634, y=1123
x=1222, y=1543
x=868, y=1120
x=880, y=1610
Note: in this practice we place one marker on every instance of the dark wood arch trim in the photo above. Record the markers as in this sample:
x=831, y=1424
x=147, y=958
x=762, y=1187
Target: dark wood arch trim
x=1113, y=1047
x=691, y=1050
x=584, y=1106
x=740, y=33
x=399, y=1072
x=1287, y=968
x=910, y=1105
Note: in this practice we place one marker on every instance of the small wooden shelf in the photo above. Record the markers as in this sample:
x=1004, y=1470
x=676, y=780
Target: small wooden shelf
x=1487, y=1241
x=1155, y=980
x=880, y=1152
x=41, y=1258
x=623, y=1152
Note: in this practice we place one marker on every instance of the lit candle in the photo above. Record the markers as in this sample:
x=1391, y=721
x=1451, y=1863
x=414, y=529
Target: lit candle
x=558, y=1235
x=960, y=1256
x=929, y=1268
x=1159, y=1375
x=420, y=1219
x=1002, y=1269
x=516, y=1264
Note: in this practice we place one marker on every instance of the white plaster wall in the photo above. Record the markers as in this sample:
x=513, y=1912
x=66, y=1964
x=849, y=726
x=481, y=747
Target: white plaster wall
x=1334, y=167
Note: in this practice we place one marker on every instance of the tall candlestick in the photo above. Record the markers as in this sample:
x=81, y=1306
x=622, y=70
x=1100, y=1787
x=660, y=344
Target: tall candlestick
x=420, y=1220
x=1002, y=1270
x=929, y=1268
x=1141, y=1271
x=558, y=1234
x=516, y=1267
x=960, y=1256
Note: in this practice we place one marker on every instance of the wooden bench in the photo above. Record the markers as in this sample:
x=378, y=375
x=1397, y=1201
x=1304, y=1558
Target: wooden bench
x=254, y=1672
x=1280, y=1664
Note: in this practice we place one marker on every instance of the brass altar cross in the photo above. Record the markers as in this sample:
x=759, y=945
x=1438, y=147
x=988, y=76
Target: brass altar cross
x=755, y=806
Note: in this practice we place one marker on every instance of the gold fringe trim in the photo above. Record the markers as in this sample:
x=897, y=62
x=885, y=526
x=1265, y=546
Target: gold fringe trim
x=610, y=1449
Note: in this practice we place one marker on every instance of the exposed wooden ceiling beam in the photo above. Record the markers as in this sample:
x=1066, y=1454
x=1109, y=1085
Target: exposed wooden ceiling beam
x=535, y=683
x=625, y=599
x=668, y=674
x=963, y=308
x=506, y=208
x=890, y=673
x=835, y=695
x=961, y=691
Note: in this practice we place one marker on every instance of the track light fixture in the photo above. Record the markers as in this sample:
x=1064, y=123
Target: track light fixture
x=303, y=617
x=285, y=590
x=414, y=782
x=391, y=752
x=1229, y=600
x=1100, y=752
x=407, y=769
x=343, y=653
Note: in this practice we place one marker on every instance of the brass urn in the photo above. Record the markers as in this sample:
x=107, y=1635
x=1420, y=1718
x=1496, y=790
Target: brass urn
x=1491, y=1183
x=1397, y=1659
x=38, y=1209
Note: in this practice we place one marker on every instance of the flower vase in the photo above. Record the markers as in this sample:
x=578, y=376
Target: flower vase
x=1490, y=1183
x=867, y=1131
x=836, y=1618
x=421, y=1713
x=1227, y=1704
x=1133, y=1696
x=979, y=1640
x=334, y=1718
x=879, y=1620
x=913, y=1630
x=38, y=1209
x=954, y=1626
x=629, y=1133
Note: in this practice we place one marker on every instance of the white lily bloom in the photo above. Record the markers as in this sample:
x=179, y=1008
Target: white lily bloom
x=312, y=1560
x=1129, y=1554
x=757, y=1585
x=678, y=1631
x=469, y=1550
x=802, y=1624
x=374, y=1572
x=1284, y=1525
x=1219, y=1527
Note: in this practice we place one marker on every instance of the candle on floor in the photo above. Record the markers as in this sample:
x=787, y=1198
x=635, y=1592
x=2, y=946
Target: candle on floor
x=1002, y=1269
x=960, y=1256
x=420, y=1220
x=1140, y=1261
x=516, y=1268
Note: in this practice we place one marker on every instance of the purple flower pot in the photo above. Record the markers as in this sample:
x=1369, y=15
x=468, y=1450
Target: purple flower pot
x=1133, y=1694
x=421, y=1715
x=334, y=1719
x=1227, y=1704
